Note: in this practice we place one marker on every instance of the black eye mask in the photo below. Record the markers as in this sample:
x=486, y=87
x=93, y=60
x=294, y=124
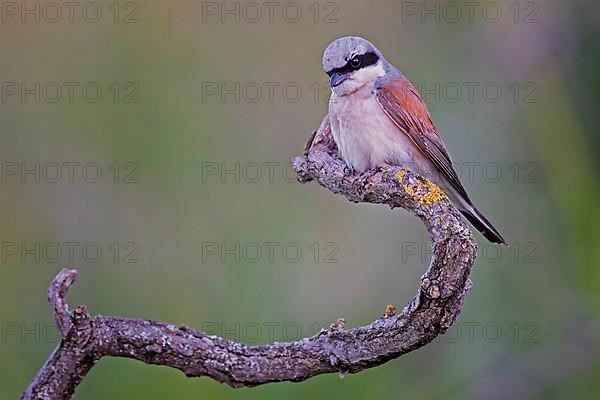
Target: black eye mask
x=360, y=61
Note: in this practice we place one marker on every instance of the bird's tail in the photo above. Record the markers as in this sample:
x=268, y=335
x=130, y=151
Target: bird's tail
x=482, y=224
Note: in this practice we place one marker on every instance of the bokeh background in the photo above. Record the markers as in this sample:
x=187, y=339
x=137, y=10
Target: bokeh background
x=194, y=147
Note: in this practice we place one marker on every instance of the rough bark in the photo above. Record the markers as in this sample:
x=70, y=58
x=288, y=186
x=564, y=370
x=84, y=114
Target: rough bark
x=86, y=339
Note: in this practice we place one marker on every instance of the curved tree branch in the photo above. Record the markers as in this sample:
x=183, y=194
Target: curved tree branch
x=86, y=339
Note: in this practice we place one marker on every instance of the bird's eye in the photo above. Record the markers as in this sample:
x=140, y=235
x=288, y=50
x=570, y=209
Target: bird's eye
x=356, y=62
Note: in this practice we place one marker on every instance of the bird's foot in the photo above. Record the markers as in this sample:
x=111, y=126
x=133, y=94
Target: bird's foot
x=361, y=180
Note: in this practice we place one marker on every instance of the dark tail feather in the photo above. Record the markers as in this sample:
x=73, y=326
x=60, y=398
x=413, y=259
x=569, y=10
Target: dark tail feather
x=483, y=225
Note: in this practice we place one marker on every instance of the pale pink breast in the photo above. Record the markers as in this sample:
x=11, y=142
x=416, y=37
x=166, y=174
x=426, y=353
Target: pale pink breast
x=366, y=137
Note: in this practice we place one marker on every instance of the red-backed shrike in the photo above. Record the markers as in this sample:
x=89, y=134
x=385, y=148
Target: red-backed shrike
x=377, y=117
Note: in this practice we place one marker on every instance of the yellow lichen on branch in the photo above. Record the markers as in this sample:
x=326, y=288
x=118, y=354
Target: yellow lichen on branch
x=433, y=194
x=400, y=175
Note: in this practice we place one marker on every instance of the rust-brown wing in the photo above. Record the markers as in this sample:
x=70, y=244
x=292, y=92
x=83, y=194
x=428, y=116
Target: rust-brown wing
x=401, y=102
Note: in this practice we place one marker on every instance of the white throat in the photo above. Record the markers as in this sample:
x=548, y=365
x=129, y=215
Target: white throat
x=359, y=79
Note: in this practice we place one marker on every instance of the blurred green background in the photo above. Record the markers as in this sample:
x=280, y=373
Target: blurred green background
x=193, y=148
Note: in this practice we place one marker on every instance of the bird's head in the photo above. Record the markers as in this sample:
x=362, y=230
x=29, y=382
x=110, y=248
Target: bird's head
x=352, y=62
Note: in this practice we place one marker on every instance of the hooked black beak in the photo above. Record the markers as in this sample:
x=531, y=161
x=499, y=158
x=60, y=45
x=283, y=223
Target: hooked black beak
x=337, y=78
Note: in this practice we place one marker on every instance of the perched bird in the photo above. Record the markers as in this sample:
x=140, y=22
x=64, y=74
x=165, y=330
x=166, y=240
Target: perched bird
x=377, y=118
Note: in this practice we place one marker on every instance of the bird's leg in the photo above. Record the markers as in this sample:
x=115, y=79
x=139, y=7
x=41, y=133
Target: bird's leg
x=349, y=173
x=363, y=177
x=348, y=170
